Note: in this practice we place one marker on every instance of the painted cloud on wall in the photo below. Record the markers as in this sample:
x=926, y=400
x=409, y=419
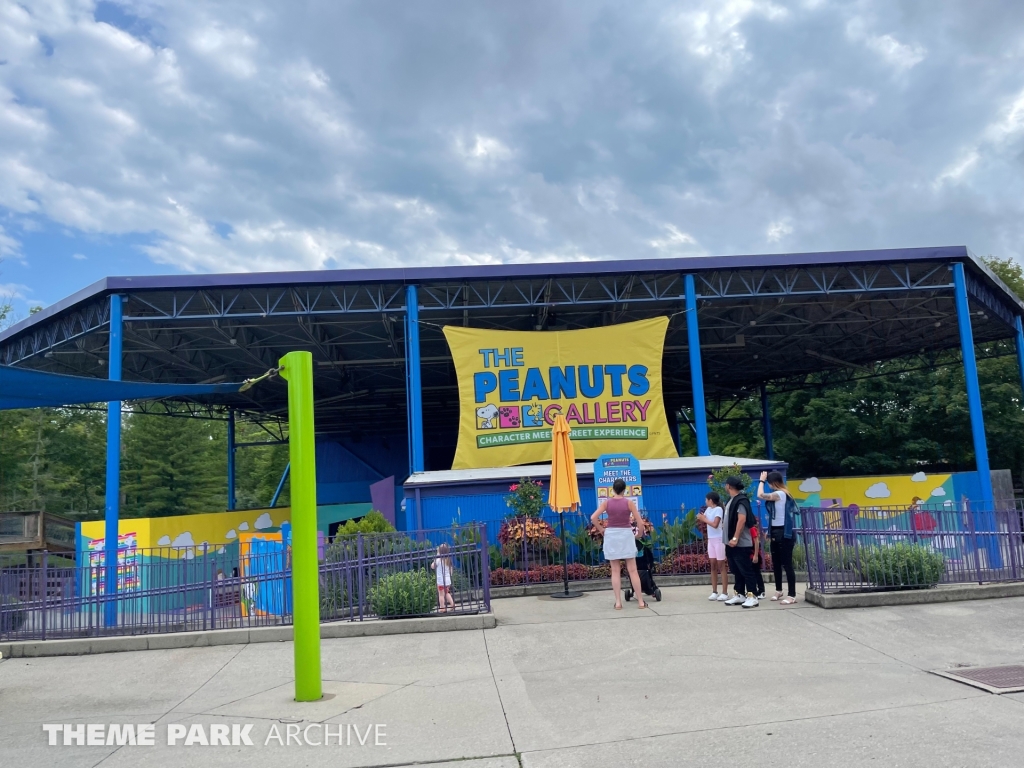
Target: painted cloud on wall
x=231, y=534
x=919, y=477
x=878, y=491
x=940, y=491
x=811, y=485
x=263, y=521
x=164, y=541
x=243, y=527
x=183, y=540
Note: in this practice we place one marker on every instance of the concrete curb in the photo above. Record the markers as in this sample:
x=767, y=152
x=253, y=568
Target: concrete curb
x=601, y=585
x=944, y=594
x=89, y=645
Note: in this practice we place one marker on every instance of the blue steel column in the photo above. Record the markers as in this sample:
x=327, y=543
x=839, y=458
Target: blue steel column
x=963, y=317
x=231, y=458
x=113, y=492
x=700, y=419
x=412, y=359
x=766, y=422
x=1020, y=349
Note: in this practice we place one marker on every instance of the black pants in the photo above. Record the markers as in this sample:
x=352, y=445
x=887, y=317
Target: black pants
x=741, y=568
x=782, y=557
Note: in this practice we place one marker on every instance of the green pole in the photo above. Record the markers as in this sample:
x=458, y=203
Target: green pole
x=297, y=369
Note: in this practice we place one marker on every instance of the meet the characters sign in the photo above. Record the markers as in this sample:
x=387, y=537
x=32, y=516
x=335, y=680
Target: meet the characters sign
x=605, y=381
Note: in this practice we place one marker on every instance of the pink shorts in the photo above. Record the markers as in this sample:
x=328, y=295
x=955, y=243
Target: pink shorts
x=716, y=549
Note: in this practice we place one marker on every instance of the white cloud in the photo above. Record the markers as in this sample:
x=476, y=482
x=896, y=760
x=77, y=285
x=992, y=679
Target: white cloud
x=898, y=54
x=811, y=485
x=243, y=527
x=163, y=541
x=249, y=140
x=778, y=230
x=231, y=534
x=940, y=491
x=183, y=540
x=482, y=148
x=79, y=256
x=8, y=245
x=264, y=521
x=878, y=491
x=918, y=477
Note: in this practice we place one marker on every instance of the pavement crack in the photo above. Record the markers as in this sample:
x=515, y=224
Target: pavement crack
x=861, y=643
x=497, y=690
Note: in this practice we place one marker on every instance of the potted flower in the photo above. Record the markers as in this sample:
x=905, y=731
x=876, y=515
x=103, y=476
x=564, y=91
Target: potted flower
x=523, y=534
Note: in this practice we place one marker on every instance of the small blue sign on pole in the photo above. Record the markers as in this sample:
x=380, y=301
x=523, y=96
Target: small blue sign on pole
x=618, y=466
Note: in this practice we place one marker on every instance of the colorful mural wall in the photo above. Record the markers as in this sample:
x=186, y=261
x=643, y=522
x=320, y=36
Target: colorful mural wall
x=187, y=536
x=881, y=491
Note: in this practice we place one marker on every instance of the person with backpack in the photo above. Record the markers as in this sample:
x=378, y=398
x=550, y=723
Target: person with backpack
x=781, y=507
x=739, y=549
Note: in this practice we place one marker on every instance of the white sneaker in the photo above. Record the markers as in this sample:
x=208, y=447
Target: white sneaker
x=761, y=596
x=751, y=601
x=714, y=596
x=723, y=597
x=735, y=600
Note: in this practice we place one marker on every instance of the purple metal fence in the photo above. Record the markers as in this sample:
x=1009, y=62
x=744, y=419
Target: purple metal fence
x=212, y=587
x=882, y=548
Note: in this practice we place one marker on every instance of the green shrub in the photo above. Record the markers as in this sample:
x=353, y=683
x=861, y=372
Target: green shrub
x=372, y=522
x=902, y=565
x=405, y=593
x=799, y=557
x=12, y=614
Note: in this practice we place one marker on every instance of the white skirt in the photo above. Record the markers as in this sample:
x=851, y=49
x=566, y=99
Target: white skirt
x=619, y=544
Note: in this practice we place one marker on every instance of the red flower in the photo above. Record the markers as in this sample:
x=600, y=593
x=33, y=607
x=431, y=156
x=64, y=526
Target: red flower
x=514, y=488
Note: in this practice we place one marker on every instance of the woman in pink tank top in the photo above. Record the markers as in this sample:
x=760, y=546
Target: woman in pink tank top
x=619, y=541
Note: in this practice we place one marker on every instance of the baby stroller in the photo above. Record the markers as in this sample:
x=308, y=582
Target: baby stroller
x=645, y=569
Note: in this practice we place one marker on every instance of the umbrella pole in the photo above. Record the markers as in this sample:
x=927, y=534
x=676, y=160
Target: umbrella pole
x=565, y=562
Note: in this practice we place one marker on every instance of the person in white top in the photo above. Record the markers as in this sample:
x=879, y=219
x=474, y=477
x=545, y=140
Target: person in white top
x=712, y=517
x=442, y=566
x=782, y=533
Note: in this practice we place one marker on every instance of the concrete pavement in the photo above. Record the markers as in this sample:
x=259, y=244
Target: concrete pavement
x=565, y=683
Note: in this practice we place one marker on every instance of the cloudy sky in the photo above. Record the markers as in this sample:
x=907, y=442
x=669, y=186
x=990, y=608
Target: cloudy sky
x=152, y=137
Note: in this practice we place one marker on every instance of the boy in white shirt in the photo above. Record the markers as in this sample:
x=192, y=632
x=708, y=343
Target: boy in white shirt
x=712, y=517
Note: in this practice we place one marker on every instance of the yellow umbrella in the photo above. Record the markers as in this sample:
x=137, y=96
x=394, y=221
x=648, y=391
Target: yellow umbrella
x=563, y=491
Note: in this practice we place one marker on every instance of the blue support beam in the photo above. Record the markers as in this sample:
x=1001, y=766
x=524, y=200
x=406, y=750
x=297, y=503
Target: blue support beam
x=231, y=459
x=766, y=422
x=280, y=485
x=113, y=490
x=700, y=418
x=1020, y=348
x=412, y=362
x=963, y=317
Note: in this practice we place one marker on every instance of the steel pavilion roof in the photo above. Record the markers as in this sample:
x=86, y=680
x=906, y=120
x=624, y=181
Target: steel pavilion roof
x=762, y=318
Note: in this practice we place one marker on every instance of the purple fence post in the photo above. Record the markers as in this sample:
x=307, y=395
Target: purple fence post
x=807, y=551
x=208, y=588
x=526, y=557
x=44, y=579
x=359, y=574
x=485, y=566
x=1011, y=540
x=974, y=542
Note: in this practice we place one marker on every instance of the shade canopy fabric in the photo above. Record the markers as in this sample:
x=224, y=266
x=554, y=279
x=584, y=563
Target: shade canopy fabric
x=21, y=388
x=564, y=492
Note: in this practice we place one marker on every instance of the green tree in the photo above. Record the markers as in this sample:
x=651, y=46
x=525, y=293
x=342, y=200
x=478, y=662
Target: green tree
x=173, y=466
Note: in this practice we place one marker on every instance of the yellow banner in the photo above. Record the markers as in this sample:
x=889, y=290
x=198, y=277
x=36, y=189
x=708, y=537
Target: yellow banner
x=605, y=381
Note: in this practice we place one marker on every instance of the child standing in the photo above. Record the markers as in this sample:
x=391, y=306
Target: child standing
x=712, y=517
x=442, y=566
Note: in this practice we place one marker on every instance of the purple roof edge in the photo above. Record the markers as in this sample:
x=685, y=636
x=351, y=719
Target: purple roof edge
x=499, y=271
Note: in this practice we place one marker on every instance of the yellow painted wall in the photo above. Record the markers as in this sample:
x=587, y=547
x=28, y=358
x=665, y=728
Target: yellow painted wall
x=875, y=491
x=183, y=532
